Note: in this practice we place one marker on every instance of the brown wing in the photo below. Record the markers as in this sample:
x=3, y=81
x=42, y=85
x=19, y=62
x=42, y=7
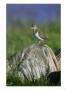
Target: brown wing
x=43, y=35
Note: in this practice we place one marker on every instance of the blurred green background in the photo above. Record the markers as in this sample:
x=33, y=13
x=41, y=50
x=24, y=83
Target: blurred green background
x=19, y=18
x=18, y=38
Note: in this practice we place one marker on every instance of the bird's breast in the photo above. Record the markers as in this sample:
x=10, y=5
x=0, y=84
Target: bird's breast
x=38, y=36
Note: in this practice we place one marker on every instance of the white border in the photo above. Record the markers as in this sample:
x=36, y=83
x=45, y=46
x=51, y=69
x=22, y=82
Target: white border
x=31, y=1
x=3, y=42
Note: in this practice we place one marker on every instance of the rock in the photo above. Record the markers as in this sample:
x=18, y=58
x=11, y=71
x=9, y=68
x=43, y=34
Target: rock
x=33, y=62
x=59, y=60
x=58, y=56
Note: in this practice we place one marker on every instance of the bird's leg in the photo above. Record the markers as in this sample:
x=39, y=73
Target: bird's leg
x=40, y=42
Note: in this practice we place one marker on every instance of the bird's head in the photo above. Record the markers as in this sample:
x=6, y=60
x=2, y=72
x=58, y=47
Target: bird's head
x=34, y=27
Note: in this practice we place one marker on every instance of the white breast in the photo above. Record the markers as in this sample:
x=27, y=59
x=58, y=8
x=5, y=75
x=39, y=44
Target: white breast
x=37, y=35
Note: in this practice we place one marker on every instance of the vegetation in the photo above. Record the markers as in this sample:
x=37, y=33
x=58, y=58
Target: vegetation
x=18, y=38
x=21, y=37
x=15, y=80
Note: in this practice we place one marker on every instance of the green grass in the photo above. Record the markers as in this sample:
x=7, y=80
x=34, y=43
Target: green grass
x=15, y=80
x=17, y=39
x=21, y=38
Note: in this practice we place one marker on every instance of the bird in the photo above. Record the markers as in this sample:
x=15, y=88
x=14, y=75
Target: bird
x=36, y=33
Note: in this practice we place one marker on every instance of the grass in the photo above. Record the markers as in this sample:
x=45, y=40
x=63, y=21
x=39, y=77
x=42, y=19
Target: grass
x=18, y=38
x=15, y=80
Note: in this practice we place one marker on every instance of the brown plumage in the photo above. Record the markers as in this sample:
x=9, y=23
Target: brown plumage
x=38, y=34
